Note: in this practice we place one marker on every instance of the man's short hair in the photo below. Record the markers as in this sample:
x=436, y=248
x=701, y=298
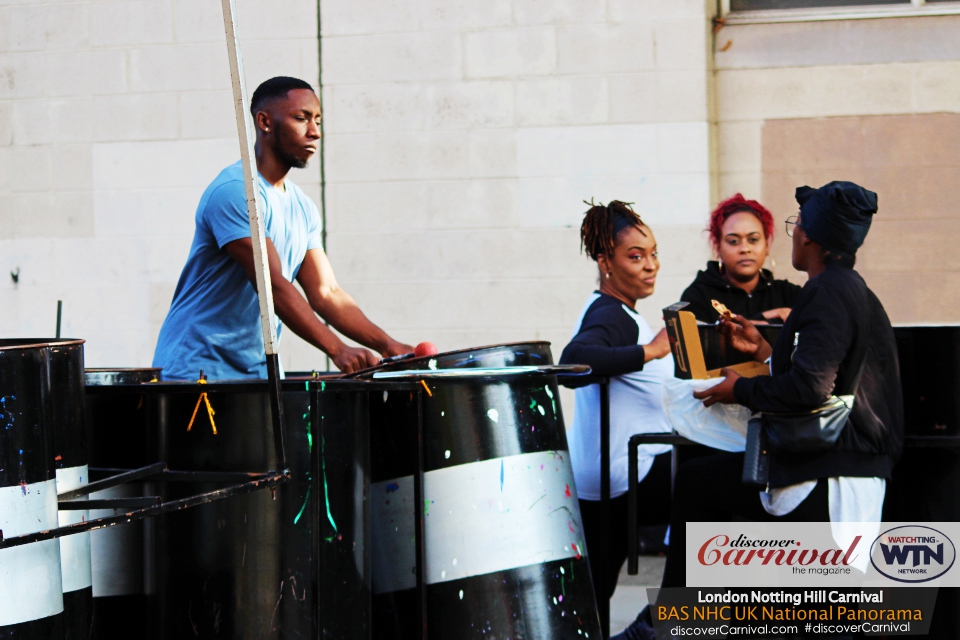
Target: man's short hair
x=275, y=88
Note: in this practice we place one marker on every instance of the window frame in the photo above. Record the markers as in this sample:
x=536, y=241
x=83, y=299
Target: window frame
x=916, y=8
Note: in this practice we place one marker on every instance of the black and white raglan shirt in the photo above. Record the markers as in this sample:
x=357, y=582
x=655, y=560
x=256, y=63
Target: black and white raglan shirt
x=609, y=337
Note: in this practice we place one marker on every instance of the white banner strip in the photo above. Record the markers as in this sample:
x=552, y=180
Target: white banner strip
x=116, y=553
x=30, y=582
x=479, y=518
x=75, y=549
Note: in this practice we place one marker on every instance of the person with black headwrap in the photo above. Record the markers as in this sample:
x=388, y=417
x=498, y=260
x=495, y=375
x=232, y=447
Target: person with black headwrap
x=814, y=357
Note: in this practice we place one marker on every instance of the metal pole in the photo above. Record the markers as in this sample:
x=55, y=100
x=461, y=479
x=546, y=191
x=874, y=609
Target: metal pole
x=59, y=315
x=268, y=323
x=316, y=548
x=603, y=602
x=418, y=533
x=632, y=475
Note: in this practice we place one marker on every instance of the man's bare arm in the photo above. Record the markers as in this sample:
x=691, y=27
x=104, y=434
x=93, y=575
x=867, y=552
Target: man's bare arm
x=337, y=307
x=295, y=311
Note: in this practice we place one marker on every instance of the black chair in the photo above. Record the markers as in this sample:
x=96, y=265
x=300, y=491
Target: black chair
x=633, y=444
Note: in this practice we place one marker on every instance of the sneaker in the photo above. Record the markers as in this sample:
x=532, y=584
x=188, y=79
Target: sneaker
x=639, y=629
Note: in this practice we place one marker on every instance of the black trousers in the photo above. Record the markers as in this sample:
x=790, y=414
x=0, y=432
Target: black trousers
x=708, y=489
x=653, y=507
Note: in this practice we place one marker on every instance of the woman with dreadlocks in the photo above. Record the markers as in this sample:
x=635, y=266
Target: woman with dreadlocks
x=616, y=341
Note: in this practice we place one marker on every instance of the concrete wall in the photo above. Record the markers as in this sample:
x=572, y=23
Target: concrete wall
x=114, y=116
x=462, y=138
x=868, y=100
x=913, y=162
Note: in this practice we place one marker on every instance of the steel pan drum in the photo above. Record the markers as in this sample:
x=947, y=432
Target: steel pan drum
x=118, y=420
x=31, y=589
x=293, y=563
x=503, y=541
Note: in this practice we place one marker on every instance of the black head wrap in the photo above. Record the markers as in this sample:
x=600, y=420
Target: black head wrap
x=837, y=216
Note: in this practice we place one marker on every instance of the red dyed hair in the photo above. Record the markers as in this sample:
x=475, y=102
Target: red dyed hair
x=737, y=204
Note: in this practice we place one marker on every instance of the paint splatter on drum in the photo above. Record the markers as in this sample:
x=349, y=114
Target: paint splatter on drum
x=503, y=543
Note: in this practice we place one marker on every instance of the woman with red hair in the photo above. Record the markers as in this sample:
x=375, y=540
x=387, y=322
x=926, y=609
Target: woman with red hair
x=741, y=232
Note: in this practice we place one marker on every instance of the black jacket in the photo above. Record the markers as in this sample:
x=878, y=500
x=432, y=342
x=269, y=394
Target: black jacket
x=814, y=358
x=711, y=285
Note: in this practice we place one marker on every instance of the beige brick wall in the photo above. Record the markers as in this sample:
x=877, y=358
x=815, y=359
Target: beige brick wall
x=114, y=116
x=463, y=137
x=913, y=163
x=870, y=100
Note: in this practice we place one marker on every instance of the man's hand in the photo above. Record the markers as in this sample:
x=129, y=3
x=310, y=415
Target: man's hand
x=350, y=359
x=745, y=337
x=777, y=314
x=395, y=348
x=658, y=348
x=722, y=393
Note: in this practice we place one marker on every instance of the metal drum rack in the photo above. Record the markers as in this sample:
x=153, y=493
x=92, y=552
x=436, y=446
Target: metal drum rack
x=146, y=506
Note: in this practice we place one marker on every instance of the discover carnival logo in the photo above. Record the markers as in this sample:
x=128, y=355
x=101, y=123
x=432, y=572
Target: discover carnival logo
x=745, y=551
x=912, y=553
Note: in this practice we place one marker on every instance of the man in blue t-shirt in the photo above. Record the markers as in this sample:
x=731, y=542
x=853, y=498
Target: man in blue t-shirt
x=214, y=319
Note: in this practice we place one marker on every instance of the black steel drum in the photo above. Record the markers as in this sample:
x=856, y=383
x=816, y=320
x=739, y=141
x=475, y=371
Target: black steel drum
x=293, y=563
x=31, y=593
x=926, y=482
x=122, y=560
x=71, y=458
x=503, y=543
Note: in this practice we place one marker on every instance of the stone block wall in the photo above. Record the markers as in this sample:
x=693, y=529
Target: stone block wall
x=463, y=137
x=875, y=101
x=114, y=116
x=913, y=163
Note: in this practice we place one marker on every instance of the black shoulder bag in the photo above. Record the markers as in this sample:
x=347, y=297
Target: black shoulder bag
x=803, y=432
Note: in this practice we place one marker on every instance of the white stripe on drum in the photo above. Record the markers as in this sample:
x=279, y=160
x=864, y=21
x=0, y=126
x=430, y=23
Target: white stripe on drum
x=479, y=518
x=75, y=549
x=30, y=583
x=116, y=553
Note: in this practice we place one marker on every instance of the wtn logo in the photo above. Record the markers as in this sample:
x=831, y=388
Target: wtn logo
x=899, y=554
x=912, y=554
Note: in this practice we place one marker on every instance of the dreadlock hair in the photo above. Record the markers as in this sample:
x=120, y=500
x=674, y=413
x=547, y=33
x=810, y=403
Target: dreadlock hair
x=602, y=225
x=738, y=204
